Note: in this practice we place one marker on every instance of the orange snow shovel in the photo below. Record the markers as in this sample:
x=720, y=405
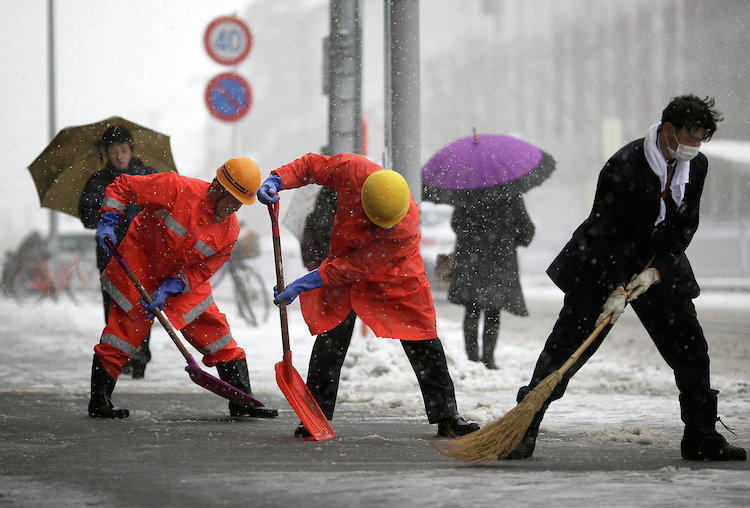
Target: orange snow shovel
x=199, y=376
x=287, y=377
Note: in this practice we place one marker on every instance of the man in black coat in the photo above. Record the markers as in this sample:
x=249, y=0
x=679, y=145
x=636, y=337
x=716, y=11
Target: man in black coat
x=117, y=144
x=646, y=208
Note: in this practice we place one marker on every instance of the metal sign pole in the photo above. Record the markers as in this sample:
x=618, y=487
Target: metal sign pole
x=51, y=98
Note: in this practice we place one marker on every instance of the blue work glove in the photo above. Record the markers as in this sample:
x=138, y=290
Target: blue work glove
x=166, y=289
x=269, y=190
x=105, y=228
x=307, y=282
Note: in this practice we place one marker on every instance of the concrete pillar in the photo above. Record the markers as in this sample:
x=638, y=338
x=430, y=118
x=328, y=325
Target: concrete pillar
x=402, y=116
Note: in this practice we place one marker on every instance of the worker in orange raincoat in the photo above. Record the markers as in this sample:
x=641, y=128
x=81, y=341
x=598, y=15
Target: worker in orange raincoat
x=184, y=234
x=374, y=270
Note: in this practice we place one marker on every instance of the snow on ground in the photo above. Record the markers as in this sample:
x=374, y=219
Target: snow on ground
x=625, y=394
x=48, y=346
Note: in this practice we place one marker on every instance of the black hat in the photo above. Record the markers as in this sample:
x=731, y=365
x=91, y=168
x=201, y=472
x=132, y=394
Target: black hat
x=116, y=134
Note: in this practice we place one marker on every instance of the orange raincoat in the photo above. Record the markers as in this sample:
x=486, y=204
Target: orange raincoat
x=176, y=235
x=377, y=272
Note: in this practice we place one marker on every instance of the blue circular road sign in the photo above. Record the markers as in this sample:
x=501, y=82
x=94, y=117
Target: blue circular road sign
x=228, y=97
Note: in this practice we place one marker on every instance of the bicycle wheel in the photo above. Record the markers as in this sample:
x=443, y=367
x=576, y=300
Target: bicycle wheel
x=252, y=299
x=29, y=283
x=78, y=285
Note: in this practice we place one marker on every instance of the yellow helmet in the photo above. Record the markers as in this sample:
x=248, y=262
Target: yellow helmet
x=241, y=177
x=385, y=197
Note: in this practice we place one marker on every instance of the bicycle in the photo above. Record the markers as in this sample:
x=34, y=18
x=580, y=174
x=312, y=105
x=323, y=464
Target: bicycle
x=253, y=302
x=36, y=279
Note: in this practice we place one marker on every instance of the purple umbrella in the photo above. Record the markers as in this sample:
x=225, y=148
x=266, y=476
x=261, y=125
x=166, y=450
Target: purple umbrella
x=484, y=164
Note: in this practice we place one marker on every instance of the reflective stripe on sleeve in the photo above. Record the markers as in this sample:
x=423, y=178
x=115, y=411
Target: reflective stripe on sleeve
x=204, y=249
x=113, y=203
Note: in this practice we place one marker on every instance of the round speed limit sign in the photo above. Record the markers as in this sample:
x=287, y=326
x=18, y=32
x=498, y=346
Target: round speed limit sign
x=227, y=40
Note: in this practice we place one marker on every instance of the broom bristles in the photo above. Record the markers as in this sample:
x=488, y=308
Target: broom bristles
x=499, y=438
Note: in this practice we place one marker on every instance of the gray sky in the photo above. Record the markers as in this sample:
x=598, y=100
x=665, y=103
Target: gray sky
x=141, y=60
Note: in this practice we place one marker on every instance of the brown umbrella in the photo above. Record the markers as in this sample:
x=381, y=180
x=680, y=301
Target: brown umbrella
x=62, y=169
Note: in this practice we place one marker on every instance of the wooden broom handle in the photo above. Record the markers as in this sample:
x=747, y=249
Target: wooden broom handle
x=586, y=343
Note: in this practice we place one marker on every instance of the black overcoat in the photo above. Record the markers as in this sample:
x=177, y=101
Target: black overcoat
x=620, y=234
x=485, y=264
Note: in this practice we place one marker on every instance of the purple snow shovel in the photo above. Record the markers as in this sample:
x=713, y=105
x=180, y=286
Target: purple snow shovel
x=199, y=377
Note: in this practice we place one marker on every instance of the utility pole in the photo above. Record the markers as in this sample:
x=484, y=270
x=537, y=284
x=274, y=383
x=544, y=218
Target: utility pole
x=51, y=104
x=342, y=80
x=402, y=111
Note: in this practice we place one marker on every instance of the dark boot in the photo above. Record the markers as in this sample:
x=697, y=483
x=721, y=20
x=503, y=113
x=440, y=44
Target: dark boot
x=454, y=426
x=471, y=332
x=140, y=358
x=706, y=443
x=102, y=386
x=525, y=448
x=301, y=431
x=235, y=373
x=700, y=440
x=489, y=337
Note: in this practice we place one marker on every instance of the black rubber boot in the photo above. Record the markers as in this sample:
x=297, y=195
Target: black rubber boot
x=235, y=373
x=525, y=448
x=301, y=431
x=141, y=357
x=471, y=332
x=454, y=426
x=700, y=440
x=489, y=337
x=102, y=386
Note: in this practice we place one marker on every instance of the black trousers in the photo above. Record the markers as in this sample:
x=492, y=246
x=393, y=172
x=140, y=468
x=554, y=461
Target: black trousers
x=671, y=322
x=427, y=358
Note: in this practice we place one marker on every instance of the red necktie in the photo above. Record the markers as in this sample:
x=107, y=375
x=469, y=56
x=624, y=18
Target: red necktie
x=670, y=174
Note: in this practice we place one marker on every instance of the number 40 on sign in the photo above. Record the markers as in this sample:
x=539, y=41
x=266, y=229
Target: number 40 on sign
x=227, y=40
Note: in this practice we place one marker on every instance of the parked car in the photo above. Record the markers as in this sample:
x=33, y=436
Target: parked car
x=437, y=237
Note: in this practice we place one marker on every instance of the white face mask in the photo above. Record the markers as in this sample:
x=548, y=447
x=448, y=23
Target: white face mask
x=683, y=152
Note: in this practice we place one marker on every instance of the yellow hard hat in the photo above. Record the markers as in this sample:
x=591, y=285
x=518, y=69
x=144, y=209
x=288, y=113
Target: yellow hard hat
x=241, y=177
x=385, y=197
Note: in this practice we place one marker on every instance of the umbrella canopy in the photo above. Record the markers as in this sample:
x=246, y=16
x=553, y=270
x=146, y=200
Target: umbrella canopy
x=64, y=167
x=484, y=164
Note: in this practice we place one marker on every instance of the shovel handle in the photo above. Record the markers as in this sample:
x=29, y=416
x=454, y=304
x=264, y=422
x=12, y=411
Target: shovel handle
x=159, y=314
x=273, y=211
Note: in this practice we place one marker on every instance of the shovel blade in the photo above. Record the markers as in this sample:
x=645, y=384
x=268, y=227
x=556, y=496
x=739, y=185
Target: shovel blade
x=303, y=403
x=219, y=387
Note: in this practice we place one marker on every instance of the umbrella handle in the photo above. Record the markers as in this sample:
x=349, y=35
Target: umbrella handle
x=159, y=314
x=273, y=211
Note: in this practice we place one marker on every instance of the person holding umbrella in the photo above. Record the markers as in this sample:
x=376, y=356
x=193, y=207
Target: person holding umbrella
x=631, y=249
x=485, y=266
x=117, y=144
x=483, y=177
x=374, y=270
x=184, y=234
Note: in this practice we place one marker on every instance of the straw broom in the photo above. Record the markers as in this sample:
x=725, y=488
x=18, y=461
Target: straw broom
x=499, y=438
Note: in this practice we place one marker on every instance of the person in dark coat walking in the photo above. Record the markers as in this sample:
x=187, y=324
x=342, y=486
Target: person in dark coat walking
x=646, y=208
x=117, y=144
x=316, y=235
x=485, y=267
